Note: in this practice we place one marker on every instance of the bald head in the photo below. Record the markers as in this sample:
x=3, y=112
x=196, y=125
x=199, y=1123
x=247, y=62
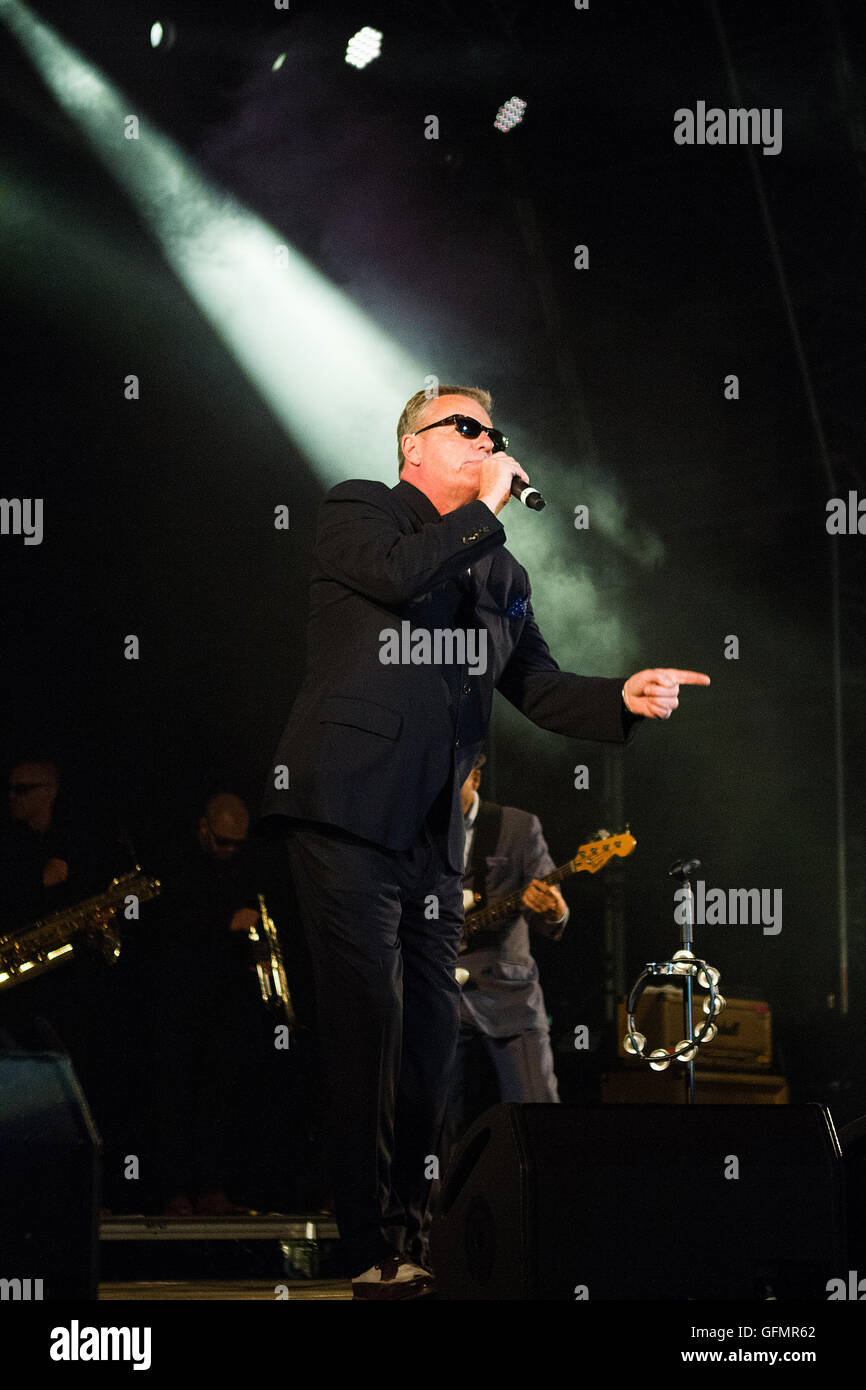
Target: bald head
x=224, y=825
x=33, y=792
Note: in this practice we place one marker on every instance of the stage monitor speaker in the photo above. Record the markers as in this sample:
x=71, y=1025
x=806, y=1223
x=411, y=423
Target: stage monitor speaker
x=50, y=1168
x=642, y=1202
x=853, y=1140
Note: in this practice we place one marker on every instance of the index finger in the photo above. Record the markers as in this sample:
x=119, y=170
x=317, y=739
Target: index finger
x=689, y=677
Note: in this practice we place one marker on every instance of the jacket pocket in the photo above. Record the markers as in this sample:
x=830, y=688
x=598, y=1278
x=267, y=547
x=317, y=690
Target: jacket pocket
x=361, y=714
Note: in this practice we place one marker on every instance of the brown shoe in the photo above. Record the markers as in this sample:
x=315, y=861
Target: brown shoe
x=395, y=1277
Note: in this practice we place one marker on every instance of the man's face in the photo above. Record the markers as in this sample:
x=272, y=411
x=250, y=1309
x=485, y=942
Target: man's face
x=222, y=836
x=469, y=788
x=441, y=461
x=32, y=792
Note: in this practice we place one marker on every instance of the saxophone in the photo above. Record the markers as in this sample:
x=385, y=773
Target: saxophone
x=269, y=967
x=39, y=946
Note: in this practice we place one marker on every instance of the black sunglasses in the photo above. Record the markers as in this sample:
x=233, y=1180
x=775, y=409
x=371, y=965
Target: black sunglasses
x=471, y=429
x=24, y=788
x=223, y=841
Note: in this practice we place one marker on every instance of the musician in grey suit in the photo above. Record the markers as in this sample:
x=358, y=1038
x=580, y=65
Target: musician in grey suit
x=502, y=1007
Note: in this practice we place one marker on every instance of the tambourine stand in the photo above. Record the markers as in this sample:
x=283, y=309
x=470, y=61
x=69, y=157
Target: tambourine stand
x=687, y=944
x=684, y=964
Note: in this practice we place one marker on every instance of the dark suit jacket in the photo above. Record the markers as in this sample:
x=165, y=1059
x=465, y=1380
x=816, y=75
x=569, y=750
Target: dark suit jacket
x=370, y=746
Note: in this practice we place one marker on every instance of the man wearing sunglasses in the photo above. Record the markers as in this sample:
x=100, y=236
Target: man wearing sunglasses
x=368, y=775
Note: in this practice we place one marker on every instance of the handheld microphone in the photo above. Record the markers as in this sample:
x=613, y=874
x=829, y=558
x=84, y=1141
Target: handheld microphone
x=527, y=494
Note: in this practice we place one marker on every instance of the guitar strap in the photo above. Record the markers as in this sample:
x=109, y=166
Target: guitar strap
x=488, y=824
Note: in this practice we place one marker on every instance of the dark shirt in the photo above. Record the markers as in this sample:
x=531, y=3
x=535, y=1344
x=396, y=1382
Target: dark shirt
x=94, y=857
x=200, y=895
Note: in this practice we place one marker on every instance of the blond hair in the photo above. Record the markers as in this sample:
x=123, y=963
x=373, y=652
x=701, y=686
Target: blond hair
x=413, y=410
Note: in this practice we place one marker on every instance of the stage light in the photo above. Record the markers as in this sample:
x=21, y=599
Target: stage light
x=278, y=63
x=510, y=114
x=363, y=47
x=162, y=34
x=302, y=343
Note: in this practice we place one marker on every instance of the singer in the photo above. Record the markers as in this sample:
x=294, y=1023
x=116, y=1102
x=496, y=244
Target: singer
x=376, y=754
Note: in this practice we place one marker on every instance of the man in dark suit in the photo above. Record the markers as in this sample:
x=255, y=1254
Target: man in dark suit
x=417, y=614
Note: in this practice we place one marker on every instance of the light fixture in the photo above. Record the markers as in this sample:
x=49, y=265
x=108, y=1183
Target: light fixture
x=363, y=47
x=510, y=114
x=162, y=34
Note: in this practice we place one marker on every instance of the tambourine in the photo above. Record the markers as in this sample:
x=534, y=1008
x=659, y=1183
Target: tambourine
x=683, y=963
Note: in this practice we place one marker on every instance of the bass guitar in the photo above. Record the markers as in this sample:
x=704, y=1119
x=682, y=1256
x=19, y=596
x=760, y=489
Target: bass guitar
x=589, y=858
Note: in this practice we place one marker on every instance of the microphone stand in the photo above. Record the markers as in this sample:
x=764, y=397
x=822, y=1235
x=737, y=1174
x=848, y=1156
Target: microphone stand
x=682, y=870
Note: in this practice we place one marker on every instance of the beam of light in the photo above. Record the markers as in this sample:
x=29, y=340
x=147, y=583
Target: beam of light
x=328, y=373
x=363, y=47
x=510, y=114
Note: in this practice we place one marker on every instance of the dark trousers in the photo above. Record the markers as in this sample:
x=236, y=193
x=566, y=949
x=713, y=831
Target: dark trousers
x=520, y=1069
x=383, y=928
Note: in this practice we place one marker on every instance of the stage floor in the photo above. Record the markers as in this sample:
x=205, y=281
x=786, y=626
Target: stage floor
x=222, y=1290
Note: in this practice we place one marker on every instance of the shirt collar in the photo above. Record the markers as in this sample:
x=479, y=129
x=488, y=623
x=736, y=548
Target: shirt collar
x=472, y=813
